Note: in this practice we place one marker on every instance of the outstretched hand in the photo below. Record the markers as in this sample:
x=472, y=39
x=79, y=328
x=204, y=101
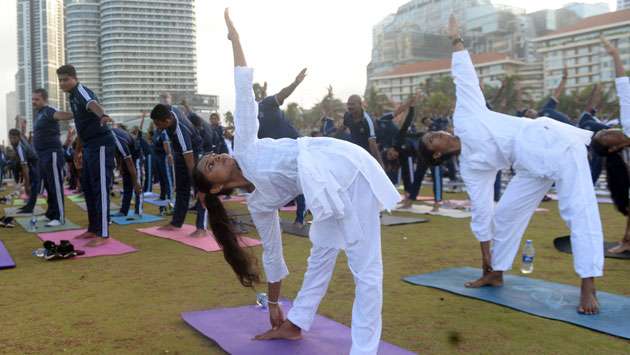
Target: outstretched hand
x=300, y=77
x=232, y=33
x=453, y=27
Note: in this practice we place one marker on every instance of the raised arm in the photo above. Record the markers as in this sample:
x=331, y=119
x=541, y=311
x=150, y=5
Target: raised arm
x=246, y=111
x=470, y=99
x=286, y=92
x=622, y=85
x=562, y=85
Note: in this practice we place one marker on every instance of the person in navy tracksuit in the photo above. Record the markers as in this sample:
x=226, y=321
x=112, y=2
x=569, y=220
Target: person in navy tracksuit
x=163, y=169
x=186, y=145
x=91, y=121
x=130, y=164
x=47, y=143
x=28, y=165
x=275, y=125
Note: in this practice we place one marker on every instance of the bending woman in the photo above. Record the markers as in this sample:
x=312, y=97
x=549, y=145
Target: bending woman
x=336, y=177
x=614, y=144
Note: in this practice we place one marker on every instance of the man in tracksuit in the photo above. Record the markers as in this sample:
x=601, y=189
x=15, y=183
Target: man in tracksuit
x=130, y=165
x=47, y=144
x=186, y=145
x=28, y=166
x=91, y=121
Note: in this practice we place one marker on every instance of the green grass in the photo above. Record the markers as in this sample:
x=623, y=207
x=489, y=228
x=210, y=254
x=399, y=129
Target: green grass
x=132, y=303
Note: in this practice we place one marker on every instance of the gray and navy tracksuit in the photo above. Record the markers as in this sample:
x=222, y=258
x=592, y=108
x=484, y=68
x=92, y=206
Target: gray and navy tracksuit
x=184, y=140
x=126, y=148
x=26, y=155
x=47, y=143
x=98, y=159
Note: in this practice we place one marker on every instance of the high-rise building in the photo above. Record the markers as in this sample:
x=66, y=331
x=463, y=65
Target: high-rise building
x=578, y=47
x=583, y=10
x=146, y=48
x=623, y=4
x=83, y=34
x=11, y=102
x=40, y=52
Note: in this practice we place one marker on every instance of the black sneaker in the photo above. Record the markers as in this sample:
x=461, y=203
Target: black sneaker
x=65, y=249
x=51, y=250
x=9, y=222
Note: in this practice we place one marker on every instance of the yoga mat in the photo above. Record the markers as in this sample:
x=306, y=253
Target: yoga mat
x=600, y=199
x=132, y=218
x=6, y=262
x=25, y=222
x=541, y=298
x=113, y=247
x=444, y=212
x=289, y=208
x=207, y=243
x=157, y=202
x=234, y=198
x=19, y=202
x=563, y=244
x=150, y=195
x=390, y=220
x=295, y=229
x=13, y=212
x=233, y=329
x=76, y=198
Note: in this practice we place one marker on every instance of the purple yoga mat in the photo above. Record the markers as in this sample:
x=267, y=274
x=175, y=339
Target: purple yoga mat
x=113, y=247
x=207, y=243
x=233, y=329
x=6, y=262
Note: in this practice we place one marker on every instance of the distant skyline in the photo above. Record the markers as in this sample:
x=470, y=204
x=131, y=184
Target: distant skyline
x=333, y=39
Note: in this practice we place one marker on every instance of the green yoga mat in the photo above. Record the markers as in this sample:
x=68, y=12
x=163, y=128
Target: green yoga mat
x=25, y=222
x=76, y=198
x=19, y=202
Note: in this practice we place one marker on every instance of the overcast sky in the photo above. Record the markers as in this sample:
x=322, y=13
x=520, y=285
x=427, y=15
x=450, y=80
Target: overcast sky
x=333, y=38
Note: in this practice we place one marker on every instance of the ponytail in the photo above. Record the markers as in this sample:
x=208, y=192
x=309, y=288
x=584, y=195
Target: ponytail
x=242, y=262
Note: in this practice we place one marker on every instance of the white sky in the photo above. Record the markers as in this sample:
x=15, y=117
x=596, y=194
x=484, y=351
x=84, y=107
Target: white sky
x=333, y=38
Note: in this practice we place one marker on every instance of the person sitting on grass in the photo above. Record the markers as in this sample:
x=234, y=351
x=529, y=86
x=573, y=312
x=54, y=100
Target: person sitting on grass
x=343, y=185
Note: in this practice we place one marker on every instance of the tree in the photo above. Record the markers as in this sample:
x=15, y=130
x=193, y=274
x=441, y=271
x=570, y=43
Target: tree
x=229, y=119
x=294, y=115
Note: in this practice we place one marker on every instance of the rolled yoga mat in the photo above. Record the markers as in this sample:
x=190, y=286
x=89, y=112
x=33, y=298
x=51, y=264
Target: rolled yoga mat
x=6, y=262
x=233, y=329
x=563, y=244
x=541, y=298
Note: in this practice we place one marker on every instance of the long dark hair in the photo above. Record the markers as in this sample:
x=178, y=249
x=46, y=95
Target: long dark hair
x=616, y=176
x=425, y=155
x=242, y=262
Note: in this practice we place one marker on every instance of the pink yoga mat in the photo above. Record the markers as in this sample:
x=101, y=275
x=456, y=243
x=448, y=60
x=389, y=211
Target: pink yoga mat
x=204, y=243
x=113, y=247
x=234, y=198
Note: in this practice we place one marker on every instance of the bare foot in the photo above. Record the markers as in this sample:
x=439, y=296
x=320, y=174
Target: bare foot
x=168, y=227
x=407, y=203
x=622, y=247
x=97, y=242
x=85, y=235
x=492, y=278
x=287, y=331
x=588, y=298
x=199, y=233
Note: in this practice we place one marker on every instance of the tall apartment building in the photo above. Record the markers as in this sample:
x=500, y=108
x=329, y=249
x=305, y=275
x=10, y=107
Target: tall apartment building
x=404, y=80
x=579, y=48
x=40, y=52
x=11, y=102
x=83, y=32
x=623, y=4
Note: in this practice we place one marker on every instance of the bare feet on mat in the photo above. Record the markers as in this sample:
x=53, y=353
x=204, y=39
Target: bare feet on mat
x=407, y=203
x=588, y=298
x=199, y=233
x=85, y=235
x=168, y=227
x=622, y=247
x=492, y=278
x=97, y=242
x=287, y=331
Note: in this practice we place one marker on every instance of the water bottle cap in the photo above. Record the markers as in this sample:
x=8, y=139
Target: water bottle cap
x=529, y=241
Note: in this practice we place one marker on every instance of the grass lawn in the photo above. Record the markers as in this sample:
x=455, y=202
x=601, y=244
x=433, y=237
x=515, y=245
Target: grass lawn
x=132, y=303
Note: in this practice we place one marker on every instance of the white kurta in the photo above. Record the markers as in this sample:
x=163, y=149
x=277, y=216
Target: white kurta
x=541, y=151
x=345, y=189
x=623, y=92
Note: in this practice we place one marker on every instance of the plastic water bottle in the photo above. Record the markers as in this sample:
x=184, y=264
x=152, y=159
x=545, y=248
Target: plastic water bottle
x=40, y=253
x=527, y=264
x=33, y=222
x=261, y=300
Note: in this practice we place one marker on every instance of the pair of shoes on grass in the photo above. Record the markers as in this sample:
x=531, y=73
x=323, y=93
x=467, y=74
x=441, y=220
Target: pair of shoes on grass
x=7, y=222
x=52, y=251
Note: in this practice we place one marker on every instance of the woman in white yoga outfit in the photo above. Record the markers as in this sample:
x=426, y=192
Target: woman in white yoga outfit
x=345, y=189
x=542, y=152
x=614, y=144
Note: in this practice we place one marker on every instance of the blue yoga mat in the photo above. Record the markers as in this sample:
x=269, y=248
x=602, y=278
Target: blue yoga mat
x=134, y=219
x=6, y=262
x=156, y=202
x=542, y=298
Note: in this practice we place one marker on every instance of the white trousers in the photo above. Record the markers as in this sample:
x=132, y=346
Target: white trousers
x=366, y=265
x=578, y=208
